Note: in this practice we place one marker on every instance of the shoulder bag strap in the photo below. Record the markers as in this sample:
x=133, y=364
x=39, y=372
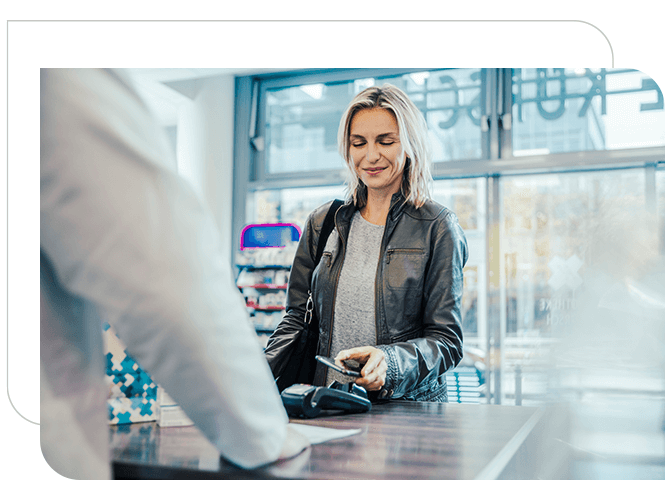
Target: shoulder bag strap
x=309, y=339
x=328, y=225
x=326, y=229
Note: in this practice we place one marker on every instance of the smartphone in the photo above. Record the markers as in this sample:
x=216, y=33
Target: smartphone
x=330, y=363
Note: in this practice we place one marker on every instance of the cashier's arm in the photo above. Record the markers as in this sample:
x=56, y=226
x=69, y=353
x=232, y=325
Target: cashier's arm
x=129, y=235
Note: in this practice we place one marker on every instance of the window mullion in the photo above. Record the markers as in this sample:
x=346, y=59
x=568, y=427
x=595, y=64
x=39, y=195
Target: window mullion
x=258, y=141
x=505, y=123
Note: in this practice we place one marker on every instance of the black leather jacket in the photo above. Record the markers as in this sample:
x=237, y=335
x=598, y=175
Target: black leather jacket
x=418, y=293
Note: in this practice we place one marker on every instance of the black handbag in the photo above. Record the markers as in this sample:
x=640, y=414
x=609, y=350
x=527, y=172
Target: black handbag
x=301, y=364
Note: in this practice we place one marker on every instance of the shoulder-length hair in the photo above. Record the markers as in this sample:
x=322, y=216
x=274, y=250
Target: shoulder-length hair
x=413, y=131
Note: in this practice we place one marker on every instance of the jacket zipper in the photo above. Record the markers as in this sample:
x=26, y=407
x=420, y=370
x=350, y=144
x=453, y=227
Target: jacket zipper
x=378, y=292
x=329, y=258
x=400, y=250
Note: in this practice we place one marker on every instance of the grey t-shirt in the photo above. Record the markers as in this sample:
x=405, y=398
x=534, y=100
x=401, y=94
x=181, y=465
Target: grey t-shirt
x=354, y=315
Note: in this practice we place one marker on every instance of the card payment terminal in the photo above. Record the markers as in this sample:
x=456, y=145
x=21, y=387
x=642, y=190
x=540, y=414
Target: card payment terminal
x=307, y=401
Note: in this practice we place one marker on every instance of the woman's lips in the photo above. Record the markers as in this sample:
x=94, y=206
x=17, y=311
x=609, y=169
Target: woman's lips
x=374, y=171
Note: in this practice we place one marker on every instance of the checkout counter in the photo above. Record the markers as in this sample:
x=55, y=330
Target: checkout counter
x=398, y=440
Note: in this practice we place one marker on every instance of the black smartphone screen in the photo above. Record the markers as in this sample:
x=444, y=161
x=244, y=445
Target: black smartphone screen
x=330, y=363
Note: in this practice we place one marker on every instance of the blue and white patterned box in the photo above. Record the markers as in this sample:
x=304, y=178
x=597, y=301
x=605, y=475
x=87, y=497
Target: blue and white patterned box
x=132, y=410
x=132, y=394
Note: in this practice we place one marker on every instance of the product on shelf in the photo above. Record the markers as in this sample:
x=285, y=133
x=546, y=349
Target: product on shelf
x=264, y=261
x=253, y=277
x=266, y=257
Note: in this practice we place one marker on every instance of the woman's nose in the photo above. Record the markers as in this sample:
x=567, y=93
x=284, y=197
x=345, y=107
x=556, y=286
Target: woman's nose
x=372, y=153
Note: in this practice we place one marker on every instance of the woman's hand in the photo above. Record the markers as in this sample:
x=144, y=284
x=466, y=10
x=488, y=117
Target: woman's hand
x=373, y=373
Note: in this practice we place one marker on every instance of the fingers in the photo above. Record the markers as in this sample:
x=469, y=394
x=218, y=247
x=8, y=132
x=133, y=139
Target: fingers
x=373, y=382
x=367, y=356
x=373, y=374
x=363, y=355
x=373, y=363
x=359, y=354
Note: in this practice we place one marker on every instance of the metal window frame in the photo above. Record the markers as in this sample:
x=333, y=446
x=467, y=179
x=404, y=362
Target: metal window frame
x=260, y=179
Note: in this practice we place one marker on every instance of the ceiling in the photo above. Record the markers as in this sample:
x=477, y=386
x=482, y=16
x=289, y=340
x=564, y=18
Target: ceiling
x=174, y=74
x=163, y=100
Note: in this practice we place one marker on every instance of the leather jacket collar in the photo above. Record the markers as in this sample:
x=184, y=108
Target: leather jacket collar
x=398, y=204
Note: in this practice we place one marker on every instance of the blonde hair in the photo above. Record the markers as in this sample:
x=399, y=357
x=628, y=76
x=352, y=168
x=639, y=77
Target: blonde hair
x=413, y=131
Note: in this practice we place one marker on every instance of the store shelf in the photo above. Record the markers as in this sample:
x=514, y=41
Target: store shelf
x=261, y=267
x=264, y=264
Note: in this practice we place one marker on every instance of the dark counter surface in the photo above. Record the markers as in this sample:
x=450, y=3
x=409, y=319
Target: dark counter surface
x=398, y=440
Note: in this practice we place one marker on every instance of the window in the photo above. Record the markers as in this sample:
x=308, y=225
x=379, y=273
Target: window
x=467, y=198
x=301, y=121
x=564, y=110
x=569, y=244
x=291, y=205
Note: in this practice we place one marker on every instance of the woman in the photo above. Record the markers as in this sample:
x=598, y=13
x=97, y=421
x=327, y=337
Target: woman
x=387, y=289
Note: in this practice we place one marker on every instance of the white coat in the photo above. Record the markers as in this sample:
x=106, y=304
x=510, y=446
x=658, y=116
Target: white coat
x=124, y=238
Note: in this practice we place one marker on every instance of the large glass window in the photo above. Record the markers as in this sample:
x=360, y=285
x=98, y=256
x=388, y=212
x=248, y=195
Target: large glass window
x=292, y=205
x=572, y=245
x=301, y=121
x=467, y=198
x=566, y=110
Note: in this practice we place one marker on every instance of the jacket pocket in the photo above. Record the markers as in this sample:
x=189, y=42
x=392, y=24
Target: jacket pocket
x=404, y=268
x=404, y=286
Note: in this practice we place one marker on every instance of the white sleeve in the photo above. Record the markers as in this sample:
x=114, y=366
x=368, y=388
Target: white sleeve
x=124, y=232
